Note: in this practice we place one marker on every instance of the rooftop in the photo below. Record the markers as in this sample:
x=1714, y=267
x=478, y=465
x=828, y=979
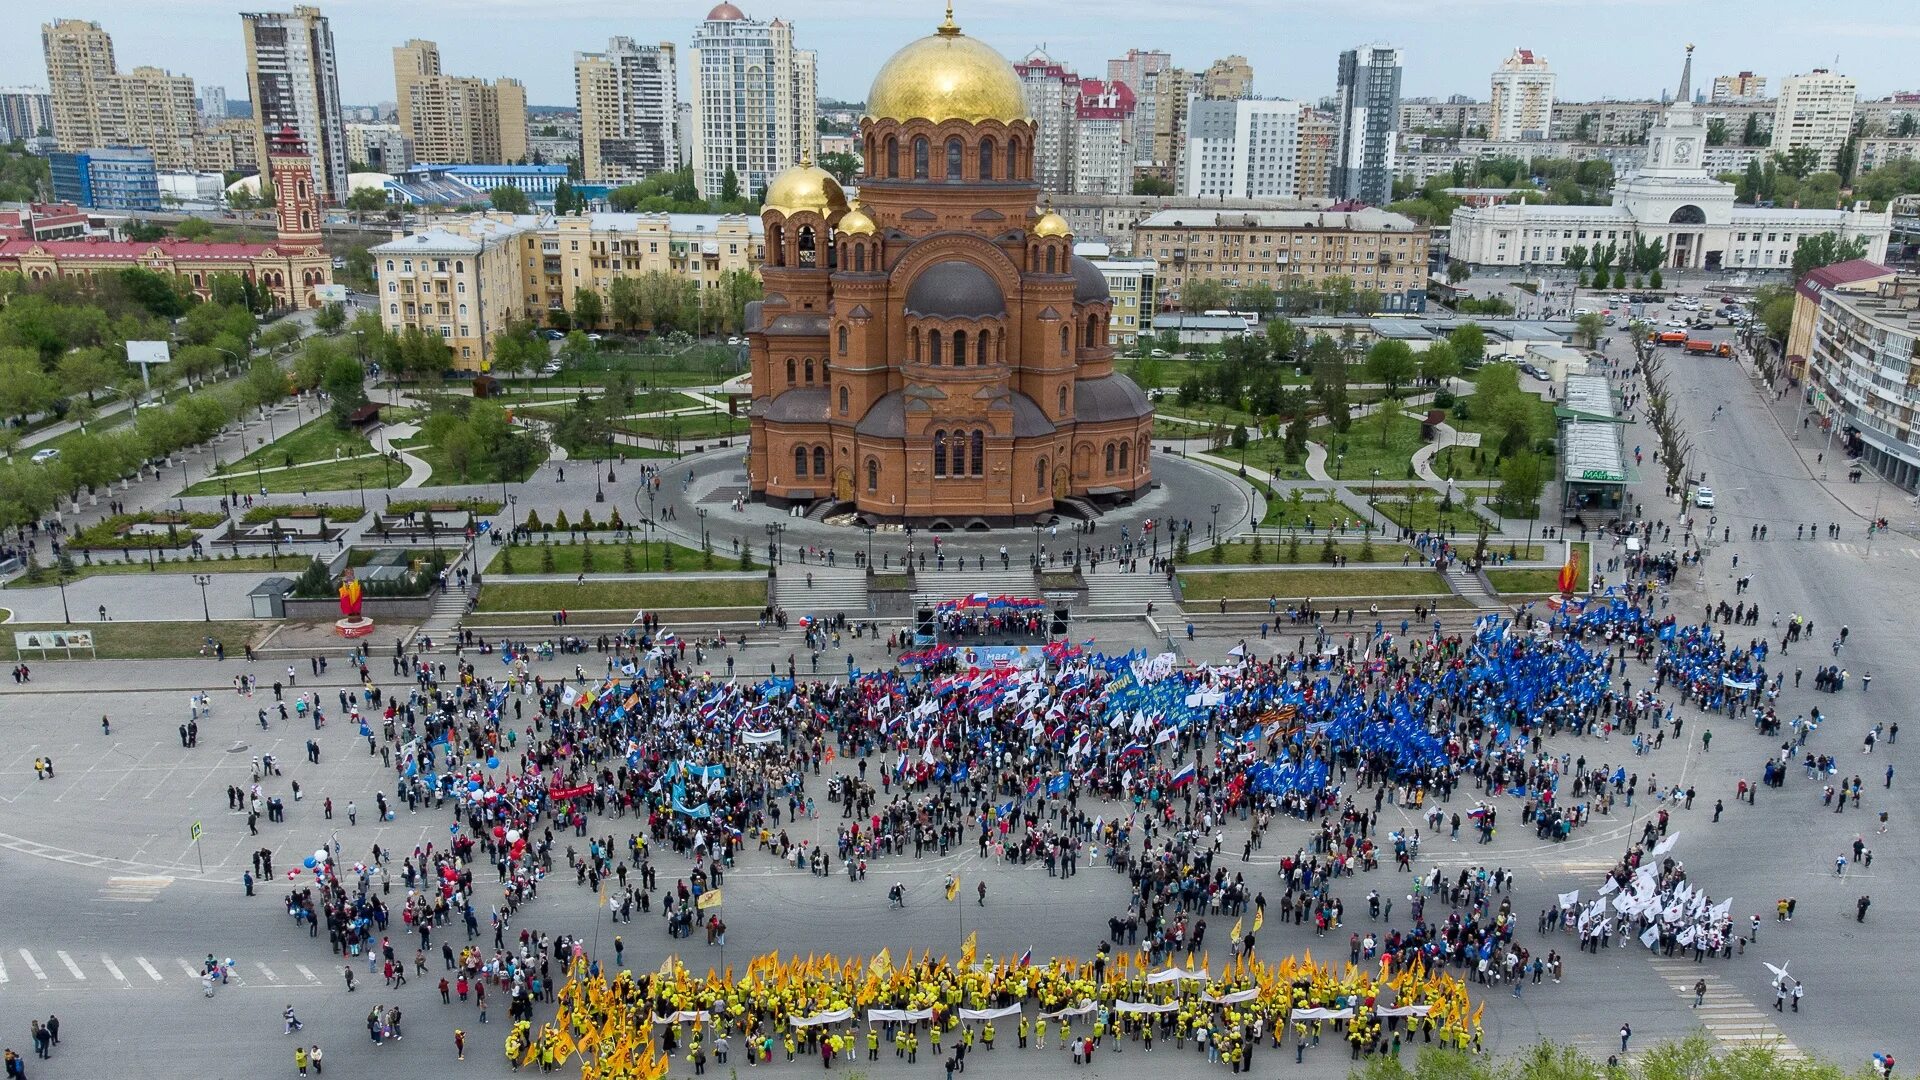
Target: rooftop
x=1594, y=454
x=1368, y=219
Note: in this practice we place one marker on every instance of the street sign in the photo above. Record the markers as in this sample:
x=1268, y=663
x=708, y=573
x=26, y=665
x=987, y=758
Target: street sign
x=194, y=832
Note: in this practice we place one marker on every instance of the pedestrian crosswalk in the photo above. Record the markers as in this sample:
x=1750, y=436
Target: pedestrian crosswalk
x=64, y=969
x=1728, y=1015
x=132, y=890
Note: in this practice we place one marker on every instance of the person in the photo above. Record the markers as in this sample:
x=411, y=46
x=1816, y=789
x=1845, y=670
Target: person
x=1699, y=992
x=1626, y=1032
x=293, y=1022
x=459, y=1045
x=1860, y=908
x=300, y=1060
x=982, y=891
x=313, y=1054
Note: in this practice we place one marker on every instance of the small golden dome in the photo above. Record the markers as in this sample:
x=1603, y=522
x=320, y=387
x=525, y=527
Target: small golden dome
x=805, y=186
x=855, y=223
x=1051, y=224
x=947, y=76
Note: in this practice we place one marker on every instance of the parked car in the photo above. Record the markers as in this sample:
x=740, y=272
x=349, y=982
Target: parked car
x=1158, y=354
x=552, y=368
x=45, y=455
x=554, y=335
x=1703, y=497
x=735, y=339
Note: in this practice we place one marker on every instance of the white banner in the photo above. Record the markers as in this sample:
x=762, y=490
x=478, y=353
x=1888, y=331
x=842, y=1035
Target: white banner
x=683, y=1017
x=1568, y=899
x=1081, y=1009
x=1234, y=998
x=989, y=1014
x=1404, y=1010
x=759, y=738
x=833, y=1017
x=1144, y=1007
x=1176, y=974
x=1607, y=889
x=1322, y=1014
x=1666, y=845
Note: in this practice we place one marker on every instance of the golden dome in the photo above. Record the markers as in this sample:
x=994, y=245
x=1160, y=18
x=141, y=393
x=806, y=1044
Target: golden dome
x=855, y=223
x=947, y=76
x=805, y=186
x=1051, y=224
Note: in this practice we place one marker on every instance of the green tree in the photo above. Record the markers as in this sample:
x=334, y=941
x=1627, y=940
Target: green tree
x=1439, y=362
x=1203, y=294
x=510, y=199
x=24, y=385
x=193, y=228
x=1152, y=185
x=517, y=348
x=844, y=166
x=1589, y=327
x=729, y=186
x=1281, y=339
x=1522, y=479
x=1576, y=256
x=345, y=383
x=1824, y=249
x=1717, y=131
x=366, y=201
x=88, y=371
x=1392, y=362
x=421, y=354
x=1799, y=161
x=330, y=318
x=1469, y=345
x=587, y=308
x=1750, y=133
x=1258, y=298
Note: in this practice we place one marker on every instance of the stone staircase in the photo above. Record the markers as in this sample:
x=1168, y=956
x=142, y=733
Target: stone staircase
x=1075, y=506
x=835, y=589
x=1116, y=594
x=1469, y=586
x=823, y=508
x=933, y=587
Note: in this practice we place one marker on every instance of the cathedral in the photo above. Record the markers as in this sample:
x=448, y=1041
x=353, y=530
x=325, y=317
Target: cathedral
x=935, y=353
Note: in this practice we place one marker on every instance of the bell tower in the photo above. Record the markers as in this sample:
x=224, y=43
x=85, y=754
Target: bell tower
x=290, y=167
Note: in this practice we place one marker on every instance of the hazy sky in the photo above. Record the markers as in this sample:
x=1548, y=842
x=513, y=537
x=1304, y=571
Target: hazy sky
x=1599, y=48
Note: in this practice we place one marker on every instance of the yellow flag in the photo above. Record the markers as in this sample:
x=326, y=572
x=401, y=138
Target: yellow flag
x=953, y=887
x=882, y=964
x=1259, y=917
x=708, y=900
x=968, y=950
x=1234, y=934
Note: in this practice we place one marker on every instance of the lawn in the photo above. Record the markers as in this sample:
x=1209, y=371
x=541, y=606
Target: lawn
x=1427, y=515
x=1464, y=462
x=633, y=558
x=623, y=595
x=621, y=452
x=338, y=513
x=479, y=470
x=691, y=426
x=1311, y=550
x=1543, y=581
x=1320, y=584
x=1363, y=450
x=156, y=640
x=45, y=575
x=318, y=440
x=371, y=473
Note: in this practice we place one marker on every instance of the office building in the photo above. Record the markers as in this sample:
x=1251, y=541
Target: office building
x=1225, y=79
x=755, y=101
x=94, y=104
x=629, y=99
x=1522, y=103
x=454, y=119
x=1814, y=110
x=294, y=83
x=26, y=112
x=1246, y=148
x=1053, y=100
x=1103, y=154
x=1741, y=88
x=107, y=178
x=1367, y=102
x=1378, y=252
x=1112, y=219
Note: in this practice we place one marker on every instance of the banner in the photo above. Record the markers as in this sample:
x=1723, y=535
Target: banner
x=760, y=738
x=1321, y=1014
x=1145, y=1007
x=832, y=1017
x=570, y=792
x=898, y=1016
x=1081, y=1009
x=1176, y=974
x=1568, y=899
x=988, y=1014
x=683, y=1017
x=1402, y=1010
x=708, y=900
x=1234, y=998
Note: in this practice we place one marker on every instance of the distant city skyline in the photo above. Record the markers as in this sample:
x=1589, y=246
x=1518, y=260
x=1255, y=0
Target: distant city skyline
x=1449, y=48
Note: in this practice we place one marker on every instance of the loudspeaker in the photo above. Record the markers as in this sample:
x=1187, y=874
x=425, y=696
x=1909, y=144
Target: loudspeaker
x=923, y=621
x=1059, y=625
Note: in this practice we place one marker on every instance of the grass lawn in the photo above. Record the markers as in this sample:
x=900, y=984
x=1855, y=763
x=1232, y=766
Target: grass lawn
x=156, y=640
x=1460, y=462
x=1240, y=552
x=607, y=559
x=479, y=471
x=622, y=595
x=621, y=452
x=1260, y=584
x=5, y=614
x=44, y=575
x=1364, y=451
x=1210, y=414
x=1281, y=513
x=690, y=426
x=371, y=473
x=318, y=440
x=1428, y=515
x=1544, y=581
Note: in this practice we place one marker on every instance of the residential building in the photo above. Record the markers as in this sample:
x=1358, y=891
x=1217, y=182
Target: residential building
x=1313, y=163
x=1111, y=219
x=1521, y=106
x=1160, y=123
x=1244, y=148
x=25, y=112
x=755, y=101
x=1103, y=155
x=458, y=281
x=1131, y=284
x=1814, y=110
x=291, y=268
x=1053, y=100
x=1672, y=199
x=1367, y=103
x=629, y=98
x=1743, y=87
x=107, y=178
x=94, y=104
x=226, y=147
x=1139, y=71
x=1133, y=68
x=1863, y=360
x=1377, y=251
x=590, y=251
x=1875, y=152
x=1854, y=276
x=294, y=82
x=417, y=59
x=212, y=104
x=455, y=119
x=1458, y=116
x=1225, y=79
x=380, y=147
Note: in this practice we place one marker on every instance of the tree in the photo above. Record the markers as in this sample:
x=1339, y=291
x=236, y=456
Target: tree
x=1576, y=256
x=1750, y=134
x=1439, y=363
x=1824, y=249
x=510, y=199
x=1258, y=298
x=730, y=186
x=330, y=318
x=1152, y=185
x=842, y=165
x=193, y=228
x=345, y=383
x=1203, y=294
x=366, y=201
x=518, y=348
x=625, y=303
x=1589, y=327
x=421, y=354
x=1521, y=481
x=87, y=371
x=576, y=349
x=1391, y=362
x=587, y=308
x=24, y=385
x=1717, y=131
x=1774, y=306
x=1458, y=271
x=1281, y=339
x=1469, y=345
x=1799, y=161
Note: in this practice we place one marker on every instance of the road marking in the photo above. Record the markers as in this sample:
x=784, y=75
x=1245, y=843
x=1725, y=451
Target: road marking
x=33, y=965
x=71, y=966
x=113, y=969
x=267, y=971
x=152, y=972
x=186, y=967
x=3, y=972
x=302, y=969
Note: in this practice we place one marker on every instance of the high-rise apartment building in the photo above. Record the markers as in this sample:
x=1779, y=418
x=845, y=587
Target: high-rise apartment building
x=1137, y=71
x=755, y=100
x=1053, y=100
x=25, y=112
x=1103, y=153
x=1165, y=136
x=629, y=98
x=294, y=82
x=1242, y=149
x=1522, y=102
x=213, y=104
x=1313, y=167
x=1367, y=104
x=1736, y=89
x=1226, y=78
x=380, y=147
x=94, y=104
x=1815, y=110
x=456, y=119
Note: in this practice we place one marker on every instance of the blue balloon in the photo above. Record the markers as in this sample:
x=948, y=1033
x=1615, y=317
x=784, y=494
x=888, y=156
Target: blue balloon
x=454, y=829
x=309, y=862
x=493, y=763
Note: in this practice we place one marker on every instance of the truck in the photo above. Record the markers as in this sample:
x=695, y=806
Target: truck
x=1667, y=337
x=1703, y=347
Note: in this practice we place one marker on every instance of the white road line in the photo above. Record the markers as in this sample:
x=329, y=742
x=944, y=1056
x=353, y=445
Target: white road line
x=113, y=969
x=33, y=965
x=152, y=972
x=302, y=969
x=267, y=971
x=71, y=966
x=3, y=972
x=192, y=973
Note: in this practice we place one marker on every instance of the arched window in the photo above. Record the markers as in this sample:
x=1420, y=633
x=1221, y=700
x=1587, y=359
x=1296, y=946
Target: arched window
x=1090, y=323
x=1140, y=457
x=1050, y=262
x=986, y=158
x=953, y=158
x=916, y=344
x=933, y=348
x=843, y=401
x=959, y=348
x=920, y=157
x=1109, y=457
x=1040, y=476
x=843, y=341
x=980, y=359
x=799, y=461
x=979, y=452
x=1065, y=344
x=959, y=452
x=460, y=266
x=1063, y=401
x=1123, y=457
x=1013, y=158
x=893, y=158
x=860, y=258
x=819, y=461
x=939, y=453
x=873, y=475
x=809, y=371
x=790, y=371
x=808, y=257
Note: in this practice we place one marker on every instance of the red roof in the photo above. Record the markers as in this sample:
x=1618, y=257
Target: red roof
x=131, y=250
x=1841, y=273
x=1104, y=101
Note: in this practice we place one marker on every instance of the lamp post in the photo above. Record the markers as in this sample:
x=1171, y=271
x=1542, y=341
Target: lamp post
x=359, y=483
x=1213, y=524
x=1372, y=487
x=1036, y=546
x=869, y=548
x=702, y=511
x=1339, y=463
x=60, y=578
x=599, y=493
x=203, y=580
x=513, y=519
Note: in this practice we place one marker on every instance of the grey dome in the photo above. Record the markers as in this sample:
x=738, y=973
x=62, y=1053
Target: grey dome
x=955, y=289
x=1110, y=397
x=1089, y=284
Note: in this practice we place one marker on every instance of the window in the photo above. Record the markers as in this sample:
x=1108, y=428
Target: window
x=809, y=371
x=959, y=348
x=953, y=158
x=1110, y=454
x=986, y=158
x=860, y=258
x=843, y=401
x=920, y=158
x=843, y=341
x=980, y=359
x=959, y=452
x=933, y=348
x=1065, y=343
x=979, y=452
x=1013, y=158
x=916, y=344
x=1050, y=262
x=819, y=461
x=939, y=453
x=790, y=370
x=1063, y=402
x=1040, y=475
x=893, y=157
x=873, y=475
x=1123, y=457
x=799, y=461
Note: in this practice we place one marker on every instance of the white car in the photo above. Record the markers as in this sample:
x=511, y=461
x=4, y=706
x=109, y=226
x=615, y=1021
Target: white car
x=736, y=340
x=552, y=368
x=45, y=455
x=1703, y=497
x=1674, y=324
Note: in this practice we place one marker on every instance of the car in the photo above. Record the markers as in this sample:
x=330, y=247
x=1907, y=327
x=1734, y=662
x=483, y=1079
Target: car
x=1703, y=497
x=736, y=339
x=1158, y=354
x=41, y=456
x=595, y=338
x=1533, y=371
x=1674, y=324
x=554, y=335
x=1583, y=311
x=552, y=368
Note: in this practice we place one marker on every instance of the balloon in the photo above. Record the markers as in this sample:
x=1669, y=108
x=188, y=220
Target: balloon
x=320, y=855
x=309, y=862
x=294, y=873
x=498, y=832
x=493, y=763
x=390, y=815
x=513, y=836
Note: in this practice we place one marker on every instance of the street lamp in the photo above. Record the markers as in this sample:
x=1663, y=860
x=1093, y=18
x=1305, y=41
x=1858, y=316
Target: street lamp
x=1213, y=531
x=1371, y=489
x=203, y=580
x=869, y=546
x=702, y=511
x=1339, y=462
x=60, y=577
x=359, y=484
x=513, y=520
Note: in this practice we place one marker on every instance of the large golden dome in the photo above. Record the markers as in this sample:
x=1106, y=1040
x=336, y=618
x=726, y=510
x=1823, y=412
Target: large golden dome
x=805, y=186
x=947, y=76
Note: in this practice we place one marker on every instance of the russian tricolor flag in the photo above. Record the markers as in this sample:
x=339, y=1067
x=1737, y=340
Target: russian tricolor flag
x=1183, y=777
x=1026, y=958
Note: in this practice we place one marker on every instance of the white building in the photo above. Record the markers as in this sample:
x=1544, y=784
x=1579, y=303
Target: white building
x=1522, y=102
x=1673, y=199
x=1103, y=155
x=1053, y=100
x=1242, y=149
x=293, y=80
x=1814, y=110
x=629, y=101
x=1365, y=140
x=755, y=100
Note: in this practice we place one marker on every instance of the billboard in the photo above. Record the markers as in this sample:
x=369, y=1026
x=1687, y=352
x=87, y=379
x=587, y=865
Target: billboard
x=331, y=294
x=148, y=352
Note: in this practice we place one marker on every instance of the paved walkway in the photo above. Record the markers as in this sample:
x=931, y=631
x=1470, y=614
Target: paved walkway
x=383, y=438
